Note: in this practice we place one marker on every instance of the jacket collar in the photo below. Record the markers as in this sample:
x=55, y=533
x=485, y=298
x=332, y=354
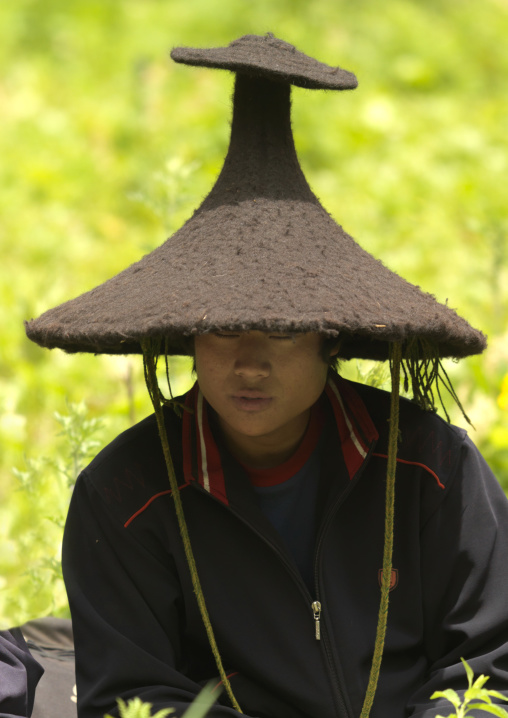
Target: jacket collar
x=201, y=456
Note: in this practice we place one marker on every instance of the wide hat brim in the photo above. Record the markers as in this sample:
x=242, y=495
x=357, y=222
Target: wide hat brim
x=261, y=252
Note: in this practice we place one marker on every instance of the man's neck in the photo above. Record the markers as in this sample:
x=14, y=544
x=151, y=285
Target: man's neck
x=268, y=450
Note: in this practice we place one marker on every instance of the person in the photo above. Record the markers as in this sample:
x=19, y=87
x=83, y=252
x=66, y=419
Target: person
x=299, y=503
x=50, y=641
x=19, y=675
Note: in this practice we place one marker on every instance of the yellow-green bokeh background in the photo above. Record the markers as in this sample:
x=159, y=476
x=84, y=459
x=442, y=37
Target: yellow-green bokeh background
x=106, y=147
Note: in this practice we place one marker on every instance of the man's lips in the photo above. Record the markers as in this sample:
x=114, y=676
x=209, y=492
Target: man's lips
x=251, y=400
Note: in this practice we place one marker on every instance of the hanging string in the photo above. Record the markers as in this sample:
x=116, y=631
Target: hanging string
x=395, y=363
x=424, y=371
x=151, y=350
x=177, y=406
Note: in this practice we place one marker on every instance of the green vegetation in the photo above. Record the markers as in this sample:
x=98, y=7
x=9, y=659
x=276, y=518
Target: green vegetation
x=476, y=697
x=135, y=708
x=107, y=147
x=44, y=488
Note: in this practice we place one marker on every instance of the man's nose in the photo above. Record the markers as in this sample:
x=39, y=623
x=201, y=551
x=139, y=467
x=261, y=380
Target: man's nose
x=252, y=360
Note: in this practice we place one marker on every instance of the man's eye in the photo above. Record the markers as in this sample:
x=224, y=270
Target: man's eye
x=226, y=335
x=281, y=336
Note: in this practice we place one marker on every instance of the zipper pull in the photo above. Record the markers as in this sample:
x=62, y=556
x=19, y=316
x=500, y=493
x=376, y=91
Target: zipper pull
x=316, y=610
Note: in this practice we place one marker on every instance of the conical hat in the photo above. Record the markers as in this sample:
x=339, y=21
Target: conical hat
x=260, y=252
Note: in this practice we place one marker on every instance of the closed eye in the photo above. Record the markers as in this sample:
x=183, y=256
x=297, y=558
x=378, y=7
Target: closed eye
x=236, y=335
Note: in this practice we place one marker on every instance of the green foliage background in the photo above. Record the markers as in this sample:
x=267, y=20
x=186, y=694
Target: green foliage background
x=106, y=147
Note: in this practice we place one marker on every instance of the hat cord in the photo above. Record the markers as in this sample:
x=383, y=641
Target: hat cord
x=150, y=355
x=395, y=363
x=423, y=370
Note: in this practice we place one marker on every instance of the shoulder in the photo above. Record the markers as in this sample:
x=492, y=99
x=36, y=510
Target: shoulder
x=130, y=471
x=438, y=466
x=424, y=437
x=437, y=463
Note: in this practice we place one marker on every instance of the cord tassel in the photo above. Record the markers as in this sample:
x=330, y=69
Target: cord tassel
x=395, y=362
x=150, y=356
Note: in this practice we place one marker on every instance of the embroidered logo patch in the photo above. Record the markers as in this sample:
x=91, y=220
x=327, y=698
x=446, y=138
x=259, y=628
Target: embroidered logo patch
x=394, y=579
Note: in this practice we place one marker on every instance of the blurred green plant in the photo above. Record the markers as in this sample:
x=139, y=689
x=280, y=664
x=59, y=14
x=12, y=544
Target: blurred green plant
x=101, y=143
x=136, y=708
x=476, y=697
x=168, y=191
x=79, y=442
x=36, y=584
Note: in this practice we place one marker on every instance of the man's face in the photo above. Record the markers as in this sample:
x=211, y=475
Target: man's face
x=261, y=385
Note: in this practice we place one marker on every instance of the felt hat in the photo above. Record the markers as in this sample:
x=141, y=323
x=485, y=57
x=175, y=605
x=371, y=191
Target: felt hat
x=260, y=252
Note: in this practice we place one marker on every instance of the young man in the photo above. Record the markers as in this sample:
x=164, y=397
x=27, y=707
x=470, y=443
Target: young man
x=260, y=565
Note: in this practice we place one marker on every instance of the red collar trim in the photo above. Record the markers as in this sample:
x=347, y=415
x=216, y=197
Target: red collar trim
x=209, y=469
x=283, y=472
x=355, y=427
x=354, y=424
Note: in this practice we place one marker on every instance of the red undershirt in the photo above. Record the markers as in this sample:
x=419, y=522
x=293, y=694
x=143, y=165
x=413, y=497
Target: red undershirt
x=278, y=474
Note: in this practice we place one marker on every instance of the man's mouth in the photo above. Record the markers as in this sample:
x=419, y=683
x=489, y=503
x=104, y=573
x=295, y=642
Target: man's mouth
x=251, y=400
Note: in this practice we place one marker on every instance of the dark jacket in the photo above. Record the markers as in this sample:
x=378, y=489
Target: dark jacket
x=19, y=675
x=136, y=622
x=51, y=643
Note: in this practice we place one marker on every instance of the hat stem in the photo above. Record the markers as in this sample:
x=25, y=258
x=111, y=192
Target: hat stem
x=261, y=160
x=150, y=354
x=395, y=363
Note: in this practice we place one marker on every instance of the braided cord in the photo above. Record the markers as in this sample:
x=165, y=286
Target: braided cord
x=150, y=355
x=395, y=362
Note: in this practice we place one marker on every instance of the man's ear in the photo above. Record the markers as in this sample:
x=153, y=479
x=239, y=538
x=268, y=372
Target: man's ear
x=329, y=350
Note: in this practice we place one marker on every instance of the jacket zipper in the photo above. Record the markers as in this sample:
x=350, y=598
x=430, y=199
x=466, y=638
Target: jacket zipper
x=316, y=610
x=317, y=605
x=337, y=683
x=340, y=707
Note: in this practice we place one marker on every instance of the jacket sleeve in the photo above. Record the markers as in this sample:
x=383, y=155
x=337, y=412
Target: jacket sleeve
x=464, y=574
x=125, y=601
x=19, y=675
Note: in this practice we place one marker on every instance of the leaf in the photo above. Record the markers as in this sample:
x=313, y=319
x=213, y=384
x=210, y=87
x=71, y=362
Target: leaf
x=496, y=694
x=480, y=681
x=481, y=694
x=469, y=672
x=203, y=702
x=496, y=710
x=450, y=695
x=136, y=708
